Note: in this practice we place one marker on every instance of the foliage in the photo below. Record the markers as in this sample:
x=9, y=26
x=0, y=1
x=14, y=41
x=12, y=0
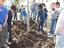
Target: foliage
x=17, y=1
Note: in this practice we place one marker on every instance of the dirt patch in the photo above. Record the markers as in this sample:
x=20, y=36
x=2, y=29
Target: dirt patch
x=30, y=40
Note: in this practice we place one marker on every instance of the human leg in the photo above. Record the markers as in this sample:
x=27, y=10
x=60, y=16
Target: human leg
x=59, y=41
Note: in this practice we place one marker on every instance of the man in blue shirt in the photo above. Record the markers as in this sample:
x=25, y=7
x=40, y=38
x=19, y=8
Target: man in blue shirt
x=33, y=10
x=25, y=16
x=12, y=10
x=3, y=22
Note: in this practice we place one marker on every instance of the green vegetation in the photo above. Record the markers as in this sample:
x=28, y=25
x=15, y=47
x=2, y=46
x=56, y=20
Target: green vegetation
x=17, y=1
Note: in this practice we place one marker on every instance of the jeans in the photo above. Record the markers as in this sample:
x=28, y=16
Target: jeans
x=45, y=23
x=53, y=26
x=59, y=41
x=21, y=16
x=25, y=20
x=10, y=34
x=3, y=36
x=40, y=26
x=15, y=16
x=33, y=14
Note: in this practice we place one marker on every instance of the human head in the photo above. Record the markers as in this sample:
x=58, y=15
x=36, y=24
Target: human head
x=23, y=8
x=33, y=0
x=1, y=2
x=40, y=6
x=13, y=9
x=57, y=4
x=21, y=5
x=43, y=4
x=52, y=6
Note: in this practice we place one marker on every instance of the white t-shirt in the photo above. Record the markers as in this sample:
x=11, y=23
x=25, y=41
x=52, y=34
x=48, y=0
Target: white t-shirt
x=60, y=9
x=60, y=24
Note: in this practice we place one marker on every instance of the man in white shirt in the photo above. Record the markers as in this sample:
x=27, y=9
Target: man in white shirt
x=60, y=31
x=58, y=7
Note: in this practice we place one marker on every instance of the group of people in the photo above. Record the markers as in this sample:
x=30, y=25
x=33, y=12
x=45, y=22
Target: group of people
x=57, y=21
x=23, y=14
x=5, y=24
x=39, y=10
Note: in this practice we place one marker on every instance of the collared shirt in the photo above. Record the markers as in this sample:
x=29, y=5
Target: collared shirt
x=60, y=24
x=55, y=13
x=3, y=12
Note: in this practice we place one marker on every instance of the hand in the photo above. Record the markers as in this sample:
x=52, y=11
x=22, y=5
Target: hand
x=4, y=24
x=11, y=29
x=36, y=21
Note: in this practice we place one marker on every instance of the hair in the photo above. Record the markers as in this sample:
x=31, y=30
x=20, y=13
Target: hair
x=40, y=6
x=45, y=10
x=13, y=8
x=57, y=3
x=24, y=8
x=53, y=3
x=43, y=4
x=3, y=0
x=21, y=5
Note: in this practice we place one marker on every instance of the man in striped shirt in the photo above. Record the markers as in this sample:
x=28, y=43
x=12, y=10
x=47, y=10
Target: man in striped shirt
x=60, y=31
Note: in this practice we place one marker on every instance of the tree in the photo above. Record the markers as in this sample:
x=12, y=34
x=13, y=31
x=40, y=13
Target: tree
x=22, y=0
x=17, y=1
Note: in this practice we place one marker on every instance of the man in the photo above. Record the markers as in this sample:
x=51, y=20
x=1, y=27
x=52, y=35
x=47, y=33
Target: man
x=55, y=13
x=12, y=10
x=3, y=24
x=58, y=7
x=60, y=31
x=33, y=10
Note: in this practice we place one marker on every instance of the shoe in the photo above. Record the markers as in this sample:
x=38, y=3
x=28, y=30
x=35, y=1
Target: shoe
x=9, y=43
x=4, y=47
x=6, y=43
x=37, y=33
x=51, y=35
x=48, y=34
x=40, y=33
x=54, y=41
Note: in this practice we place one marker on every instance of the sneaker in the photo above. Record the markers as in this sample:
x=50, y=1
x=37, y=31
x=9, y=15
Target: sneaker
x=51, y=35
x=48, y=34
x=9, y=43
x=4, y=47
x=40, y=33
x=54, y=41
x=37, y=33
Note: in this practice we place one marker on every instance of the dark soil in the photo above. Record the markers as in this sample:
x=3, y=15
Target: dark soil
x=30, y=40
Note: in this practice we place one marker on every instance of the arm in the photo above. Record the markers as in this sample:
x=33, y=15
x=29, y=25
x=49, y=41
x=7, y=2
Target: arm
x=38, y=16
x=4, y=24
x=57, y=14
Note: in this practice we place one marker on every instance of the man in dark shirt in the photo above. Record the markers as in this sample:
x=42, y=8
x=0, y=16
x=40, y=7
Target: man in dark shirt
x=12, y=10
